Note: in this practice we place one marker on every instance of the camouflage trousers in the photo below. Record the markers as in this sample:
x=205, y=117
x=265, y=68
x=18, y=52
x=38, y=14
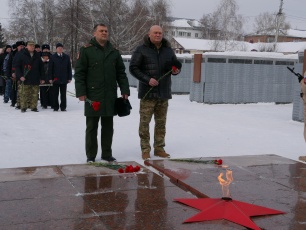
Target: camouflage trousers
x=148, y=108
x=28, y=96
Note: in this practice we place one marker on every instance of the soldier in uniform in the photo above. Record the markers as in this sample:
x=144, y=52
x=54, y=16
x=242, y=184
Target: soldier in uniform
x=29, y=70
x=149, y=63
x=98, y=70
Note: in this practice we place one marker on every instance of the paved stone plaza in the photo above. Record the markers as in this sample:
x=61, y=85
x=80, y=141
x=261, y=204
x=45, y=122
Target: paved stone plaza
x=89, y=197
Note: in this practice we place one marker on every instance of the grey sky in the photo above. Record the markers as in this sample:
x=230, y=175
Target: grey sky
x=294, y=9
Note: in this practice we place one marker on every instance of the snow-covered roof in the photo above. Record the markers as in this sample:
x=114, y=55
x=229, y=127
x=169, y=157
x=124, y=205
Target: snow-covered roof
x=289, y=32
x=253, y=54
x=296, y=33
x=207, y=45
x=195, y=44
x=181, y=23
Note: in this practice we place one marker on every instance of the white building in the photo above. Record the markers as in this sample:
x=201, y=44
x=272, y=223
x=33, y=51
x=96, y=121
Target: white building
x=184, y=28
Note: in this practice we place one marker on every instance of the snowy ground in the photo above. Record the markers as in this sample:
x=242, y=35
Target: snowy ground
x=193, y=130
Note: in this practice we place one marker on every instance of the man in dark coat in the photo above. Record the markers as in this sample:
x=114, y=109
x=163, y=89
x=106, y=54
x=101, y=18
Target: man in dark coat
x=61, y=74
x=29, y=70
x=15, y=93
x=98, y=71
x=151, y=64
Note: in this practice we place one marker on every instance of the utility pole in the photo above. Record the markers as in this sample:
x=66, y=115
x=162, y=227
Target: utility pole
x=278, y=21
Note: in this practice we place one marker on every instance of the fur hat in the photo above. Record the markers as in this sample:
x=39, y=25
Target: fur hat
x=8, y=46
x=19, y=43
x=37, y=46
x=14, y=46
x=45, y=46
x=59, y=45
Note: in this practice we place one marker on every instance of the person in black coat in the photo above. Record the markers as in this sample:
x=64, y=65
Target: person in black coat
x=60, y=72
x=29, y=70
x=151, y=64
x=15, y=97
x=45, y=89
x=6, y=52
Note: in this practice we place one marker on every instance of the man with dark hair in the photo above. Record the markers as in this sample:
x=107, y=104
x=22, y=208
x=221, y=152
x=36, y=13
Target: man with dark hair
x=151, y=64
x=37, y=48
x=61, y=74
x=29, y=68
x=99, y=69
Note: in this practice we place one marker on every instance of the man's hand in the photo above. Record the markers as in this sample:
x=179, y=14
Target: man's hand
x=50, y=81
x=42, y=82
x=125, y=96
x=153, y=82
x=82, y=98
x=69, y=81
x=176, y=71
x=22, y=79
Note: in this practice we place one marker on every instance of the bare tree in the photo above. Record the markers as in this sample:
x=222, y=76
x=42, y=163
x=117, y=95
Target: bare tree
x=265, y=23
x=224, y=25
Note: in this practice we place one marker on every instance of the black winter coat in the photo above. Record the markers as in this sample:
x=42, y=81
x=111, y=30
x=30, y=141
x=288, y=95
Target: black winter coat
x=29, y=67
x=60, y=69
x=149, y=62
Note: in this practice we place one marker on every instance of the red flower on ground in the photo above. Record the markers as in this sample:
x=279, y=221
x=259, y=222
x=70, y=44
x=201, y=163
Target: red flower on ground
x=218, y=162
x=121, y=170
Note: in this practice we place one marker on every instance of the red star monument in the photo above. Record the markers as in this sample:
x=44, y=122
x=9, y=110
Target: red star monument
x=235, y=211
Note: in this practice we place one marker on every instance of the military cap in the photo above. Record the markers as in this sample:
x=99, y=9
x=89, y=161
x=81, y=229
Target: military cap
x=20, y=43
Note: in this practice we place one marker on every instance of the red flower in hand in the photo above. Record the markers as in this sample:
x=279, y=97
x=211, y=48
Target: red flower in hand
x=174, y=68
x=94, y=104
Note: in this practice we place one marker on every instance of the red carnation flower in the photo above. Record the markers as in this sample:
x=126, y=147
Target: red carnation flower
x=218, y=162
x=121, y=170
x=174, y=68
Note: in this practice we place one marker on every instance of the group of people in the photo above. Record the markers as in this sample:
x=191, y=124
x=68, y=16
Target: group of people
x=98, y=71
x=30, y=72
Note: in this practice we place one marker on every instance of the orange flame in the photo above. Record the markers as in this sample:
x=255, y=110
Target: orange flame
x=225, y=183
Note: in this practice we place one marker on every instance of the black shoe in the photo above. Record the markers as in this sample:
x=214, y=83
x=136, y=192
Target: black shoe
x=90, y=160
x=63, y=110
x=55, y=110
x=18, y=107
x=12, y=105
x=35, y=110
x=5, y=101
x=23, y=110
x=109, y=159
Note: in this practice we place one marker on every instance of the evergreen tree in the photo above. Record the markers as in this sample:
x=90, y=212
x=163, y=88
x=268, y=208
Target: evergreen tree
x=2, y=40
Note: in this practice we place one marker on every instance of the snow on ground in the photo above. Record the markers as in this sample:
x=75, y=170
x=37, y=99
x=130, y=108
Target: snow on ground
x=193, y=130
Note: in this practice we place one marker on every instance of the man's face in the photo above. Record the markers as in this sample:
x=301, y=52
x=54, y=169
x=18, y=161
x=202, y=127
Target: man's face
x=37, y=49
x=59, y=50
x=8, y=50
x=45, y=58
x=156, y=34
x=101, y=34
x=46, y=50
x=30, y=47
x=20, y=47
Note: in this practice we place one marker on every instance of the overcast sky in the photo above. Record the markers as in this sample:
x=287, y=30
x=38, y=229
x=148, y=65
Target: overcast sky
x=194, y=9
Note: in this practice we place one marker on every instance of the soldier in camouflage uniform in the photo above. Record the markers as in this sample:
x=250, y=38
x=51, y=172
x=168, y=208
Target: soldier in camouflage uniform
x=99, y=69
x=29, y=70
x=151, y=64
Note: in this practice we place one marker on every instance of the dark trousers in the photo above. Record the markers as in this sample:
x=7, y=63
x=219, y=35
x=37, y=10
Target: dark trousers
x=46, y=97
x=14, y=92
x=62, y=89
x=91, y=141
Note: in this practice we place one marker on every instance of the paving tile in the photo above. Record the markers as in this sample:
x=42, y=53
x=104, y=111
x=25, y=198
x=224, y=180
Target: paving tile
x=118, y=182
x=29, y=173
x=42, y=209
x=38, y=188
